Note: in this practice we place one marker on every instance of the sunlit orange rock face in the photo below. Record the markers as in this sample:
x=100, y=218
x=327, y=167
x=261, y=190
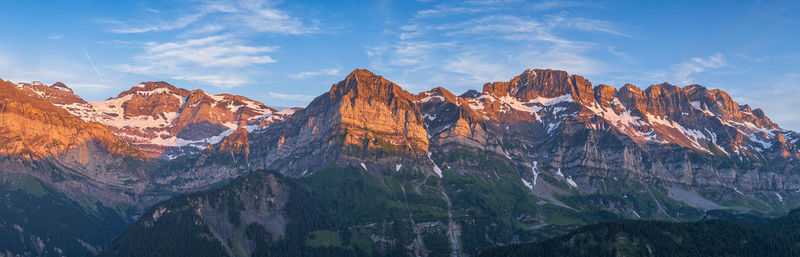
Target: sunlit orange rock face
x=374, y=112
x=83, y=160
x=538, y=116
x=538, y=110
x=159, y=119
x=363, y=116
x=34, y=128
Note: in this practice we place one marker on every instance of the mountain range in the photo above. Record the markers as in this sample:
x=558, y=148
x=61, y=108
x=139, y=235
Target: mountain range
x=369, y=168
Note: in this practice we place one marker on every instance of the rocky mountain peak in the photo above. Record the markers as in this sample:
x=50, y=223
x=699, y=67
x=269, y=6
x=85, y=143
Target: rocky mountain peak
x=605, y=94
x=470, y=94
x=61, y=86
x=438, y=93
x=719, y=103
x=362, y=83
x=535, y=83
x=154, y=87
x=157, y=117
x=665, y=99
x=35, y=126
x=58, y=93
x=364, y=116
x=630, y=95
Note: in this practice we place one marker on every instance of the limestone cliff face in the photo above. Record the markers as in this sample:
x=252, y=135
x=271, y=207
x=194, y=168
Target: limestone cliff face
x=375, y=113
x=549, y=132
x=364, y=117
x=58, y=93
x=169, y=121
x=691, y=136
x=535, y=83
x=159, y=119
x=543, y=120
x=85, y=160
x=215, y=164
x=449, y=120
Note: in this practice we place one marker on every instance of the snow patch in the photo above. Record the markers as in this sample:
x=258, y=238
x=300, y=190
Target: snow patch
x=535, y=173
x=691, y=134
x=552, y=126
x=436, y=168
x=157, y=214
x=755, y=139
x=624, y=121
x=527, y=184
x=552, y=101
x=217, y=98
x=699, y=106
x=476, y=105
x=571, y=182
x=430, y=97
x=62, y=88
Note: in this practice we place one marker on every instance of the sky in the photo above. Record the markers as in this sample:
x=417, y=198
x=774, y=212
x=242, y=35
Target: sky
x=285, y=53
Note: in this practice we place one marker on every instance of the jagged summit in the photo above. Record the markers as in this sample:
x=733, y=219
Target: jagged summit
x=362, y=83
x=58, y=93
x=545, y=139
x=364, y=105
x=61, y=86
x=534, y=83
x=162, y=120
x=36, y=128
x=154, y=87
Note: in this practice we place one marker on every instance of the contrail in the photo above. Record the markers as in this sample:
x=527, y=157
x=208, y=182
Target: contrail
x=92, y=63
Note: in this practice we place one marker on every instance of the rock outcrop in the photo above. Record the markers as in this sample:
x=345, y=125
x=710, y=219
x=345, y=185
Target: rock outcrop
x=362, y=117
x=159, y=119
x=83, y=159
x=540, y=116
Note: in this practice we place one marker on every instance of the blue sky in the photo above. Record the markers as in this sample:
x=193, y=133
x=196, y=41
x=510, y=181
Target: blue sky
x=284, y=53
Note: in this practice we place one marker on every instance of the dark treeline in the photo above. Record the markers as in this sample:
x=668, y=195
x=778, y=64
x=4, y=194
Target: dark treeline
x=778, y=237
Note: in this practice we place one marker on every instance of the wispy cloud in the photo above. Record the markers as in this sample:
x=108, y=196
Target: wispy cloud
x=309, y=74
x=486, y=6
x=181, y=22
x=683, y=71
x=549, y=5
x=585, y=24
x=213, y=51
x=75, y=74
x=263, y=17
x=244, y=15
x=477, y=67
x=492, y=43
x=444, y=10
x=211, y=60
x=290, y=97
x=212, y=42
